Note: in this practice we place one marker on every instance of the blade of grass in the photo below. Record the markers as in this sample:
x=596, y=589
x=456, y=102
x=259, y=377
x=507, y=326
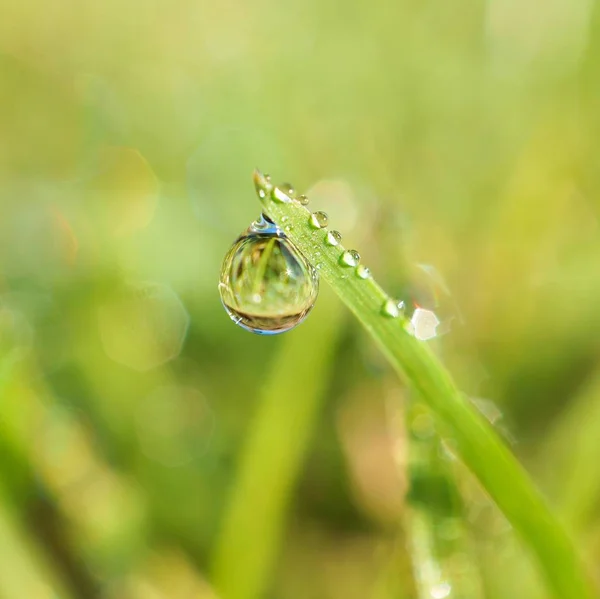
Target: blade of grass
x=572, y=446
x=474, y=439
x=25, y=571
x=271, y=457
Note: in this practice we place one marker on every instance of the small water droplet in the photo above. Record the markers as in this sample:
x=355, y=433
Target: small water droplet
x=319, y=266
x=390, y=309
x=302, y=199
x=362, y=272
x=283, y=193
x=318, y=220
x=267, y=286
x=333, y=238
x=284, y=219
x=350, y=258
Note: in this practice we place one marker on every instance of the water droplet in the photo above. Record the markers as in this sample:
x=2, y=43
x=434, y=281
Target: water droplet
x=390, y=309
x=350, y=258
x=362, y=272
x=302, y=199
x=284, y=219
x=283, y=193
x=423, y=324
x=333, y=238
x=318, y=220
x=267, y=286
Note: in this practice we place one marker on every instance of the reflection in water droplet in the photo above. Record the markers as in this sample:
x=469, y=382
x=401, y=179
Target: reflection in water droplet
x=350, y=258
x=390, y=309
x=283, y=193
x=333, y=238
x=362, y=272
x=441, y=591
x=318, y=220
x=303, y=200
x=264, y=265
x=423, y=324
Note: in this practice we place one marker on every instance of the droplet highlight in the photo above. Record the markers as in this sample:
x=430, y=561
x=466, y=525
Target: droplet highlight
x=318, y=220
x=350, y=258
x=423, y=324
x=362, y=272
x=267, y=286
x=333, y=238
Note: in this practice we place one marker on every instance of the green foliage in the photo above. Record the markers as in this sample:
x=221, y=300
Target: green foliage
x=476, y=442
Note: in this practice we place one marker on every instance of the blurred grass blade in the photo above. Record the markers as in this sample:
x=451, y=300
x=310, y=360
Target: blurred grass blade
x=24, y=569
x=574, y=445
x=272, y=455
x=474, y=438
x=441, y=552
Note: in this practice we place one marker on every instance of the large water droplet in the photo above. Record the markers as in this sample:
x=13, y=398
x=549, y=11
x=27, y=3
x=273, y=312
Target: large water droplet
x=350, y=258
x=302, y=199
x=267, y=286
x=318, y=220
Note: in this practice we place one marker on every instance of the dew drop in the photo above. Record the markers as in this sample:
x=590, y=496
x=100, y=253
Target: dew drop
x=333, y=238
x=390, y=309
x=318, y=220
x=267, y=286
x=302, y=199
x=362, y=272
x=283, y=193
x=350, y=258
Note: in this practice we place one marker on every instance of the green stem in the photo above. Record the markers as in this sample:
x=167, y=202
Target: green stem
x=457, y=420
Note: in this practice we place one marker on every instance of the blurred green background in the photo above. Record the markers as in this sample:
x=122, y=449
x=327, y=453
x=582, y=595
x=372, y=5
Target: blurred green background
x=151, y=449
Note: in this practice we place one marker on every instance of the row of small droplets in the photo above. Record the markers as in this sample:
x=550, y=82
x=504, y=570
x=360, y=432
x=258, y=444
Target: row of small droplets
x=285, y=193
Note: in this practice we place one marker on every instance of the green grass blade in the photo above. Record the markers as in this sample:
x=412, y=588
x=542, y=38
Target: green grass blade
x=474, y=439
x=272, y=456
